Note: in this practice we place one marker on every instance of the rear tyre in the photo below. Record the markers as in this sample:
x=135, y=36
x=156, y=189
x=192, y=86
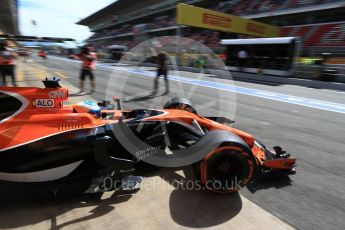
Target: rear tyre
x=180, y=103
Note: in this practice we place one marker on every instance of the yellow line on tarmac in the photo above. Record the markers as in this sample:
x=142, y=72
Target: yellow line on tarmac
x=61, y=75
x=42, y=74
x=20, y=75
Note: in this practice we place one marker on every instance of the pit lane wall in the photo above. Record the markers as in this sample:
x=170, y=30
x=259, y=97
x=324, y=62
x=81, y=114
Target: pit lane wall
x=265, y=78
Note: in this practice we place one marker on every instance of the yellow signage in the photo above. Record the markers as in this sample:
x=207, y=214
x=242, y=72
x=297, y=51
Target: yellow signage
x=209, y=19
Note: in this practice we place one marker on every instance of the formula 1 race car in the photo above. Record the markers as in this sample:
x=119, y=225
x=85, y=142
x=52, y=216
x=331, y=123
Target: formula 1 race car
x=51, y=148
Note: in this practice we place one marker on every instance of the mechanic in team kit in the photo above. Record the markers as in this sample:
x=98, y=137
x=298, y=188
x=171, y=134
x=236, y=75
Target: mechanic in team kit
x=162, y=70
x=7, y=64
x=88, y=58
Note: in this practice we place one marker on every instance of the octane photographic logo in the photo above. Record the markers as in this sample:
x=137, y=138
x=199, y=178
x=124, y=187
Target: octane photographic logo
x=190, y=76
x=109, y=184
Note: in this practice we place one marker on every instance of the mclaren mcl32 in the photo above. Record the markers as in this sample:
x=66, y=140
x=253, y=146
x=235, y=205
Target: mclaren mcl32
x=51, y=148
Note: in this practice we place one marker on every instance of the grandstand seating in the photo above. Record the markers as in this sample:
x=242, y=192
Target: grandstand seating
x=259, y=6
x=286, y=31
x=335, y=36
x=302, y=31
x=326, y=34
x=320, y=31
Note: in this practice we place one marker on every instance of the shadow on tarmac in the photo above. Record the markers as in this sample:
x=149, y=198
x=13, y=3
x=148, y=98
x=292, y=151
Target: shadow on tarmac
x=25, y=212
x=198, y=208
x=266, y=183
x=142, y=98
x=193, y=206
x=189, y=208
x=79, y=94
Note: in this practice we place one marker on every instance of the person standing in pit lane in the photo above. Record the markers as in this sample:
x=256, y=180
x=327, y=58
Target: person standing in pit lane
x=88, y=58
x=162, y=70
x=42, y=54
x=242, y=59
x=7, y=56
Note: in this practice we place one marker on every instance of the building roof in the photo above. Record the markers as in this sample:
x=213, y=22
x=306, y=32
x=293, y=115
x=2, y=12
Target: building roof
x=9, y=17
x=258, y=41
x=34, y=38
x=110, y=9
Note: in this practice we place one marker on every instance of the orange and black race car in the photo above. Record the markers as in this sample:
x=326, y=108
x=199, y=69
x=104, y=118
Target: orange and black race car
x=51, y=148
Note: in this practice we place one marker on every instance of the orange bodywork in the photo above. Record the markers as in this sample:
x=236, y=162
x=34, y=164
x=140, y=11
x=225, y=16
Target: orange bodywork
x=35, y=121
x=187, y=117
x=259, y=153
x=285, y=163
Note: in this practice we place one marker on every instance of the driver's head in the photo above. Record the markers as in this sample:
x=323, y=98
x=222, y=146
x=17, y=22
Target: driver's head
x=91, y=107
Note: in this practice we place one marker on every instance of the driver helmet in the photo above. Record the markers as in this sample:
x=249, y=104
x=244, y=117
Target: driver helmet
x=92, y=107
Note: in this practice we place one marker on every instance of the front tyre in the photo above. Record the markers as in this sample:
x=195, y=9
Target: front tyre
x=226, y=169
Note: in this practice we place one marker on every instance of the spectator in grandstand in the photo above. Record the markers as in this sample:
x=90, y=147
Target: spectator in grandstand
x=88, y=58
x=162, y=70
x=242, y=58
x=7, y=65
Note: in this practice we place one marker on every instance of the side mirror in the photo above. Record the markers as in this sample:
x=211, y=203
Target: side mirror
x=104, y=104
x=118, y=102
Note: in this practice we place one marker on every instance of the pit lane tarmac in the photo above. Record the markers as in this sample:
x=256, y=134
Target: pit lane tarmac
x=160, y=203
x=313, y=198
